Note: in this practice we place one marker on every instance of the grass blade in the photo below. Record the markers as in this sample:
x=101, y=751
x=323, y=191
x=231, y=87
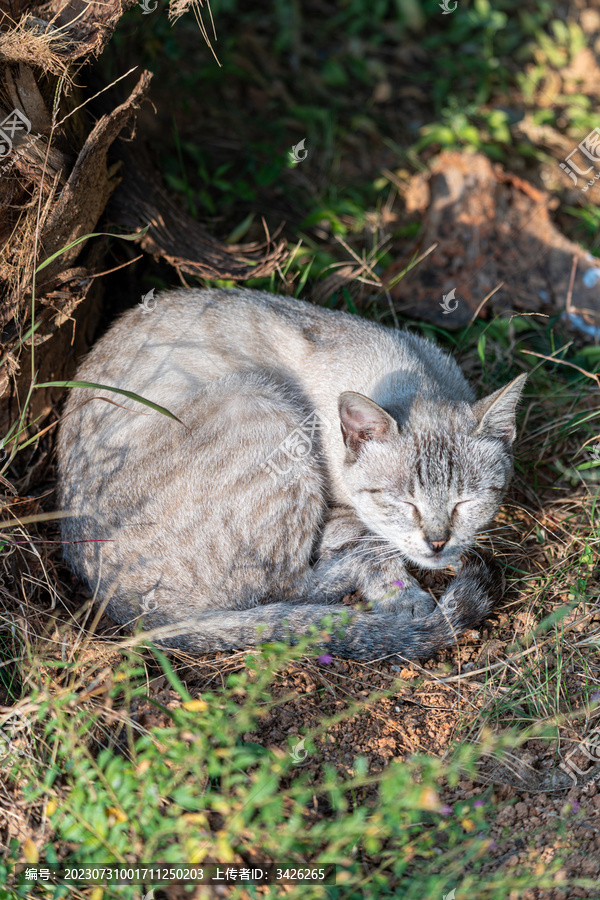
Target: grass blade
x=114, y=390
x=85, y=237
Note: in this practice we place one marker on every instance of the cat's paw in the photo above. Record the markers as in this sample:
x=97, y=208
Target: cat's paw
x=415, y=604
x=409, y=601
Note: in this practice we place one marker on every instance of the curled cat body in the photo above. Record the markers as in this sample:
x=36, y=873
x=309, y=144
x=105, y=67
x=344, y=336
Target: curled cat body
x=317, y=454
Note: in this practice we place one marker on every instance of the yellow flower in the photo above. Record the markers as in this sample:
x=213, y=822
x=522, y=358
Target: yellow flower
x=195, y=705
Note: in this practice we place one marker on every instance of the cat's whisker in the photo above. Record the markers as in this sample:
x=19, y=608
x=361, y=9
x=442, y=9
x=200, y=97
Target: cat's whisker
x=478, y=555
x=370, y=543
x=500, y=540
x=396, y=556
x=490, y=540
x=500, y=528
x=381, y=557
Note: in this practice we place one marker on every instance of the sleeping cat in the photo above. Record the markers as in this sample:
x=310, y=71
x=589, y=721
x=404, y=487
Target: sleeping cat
x=319, y=454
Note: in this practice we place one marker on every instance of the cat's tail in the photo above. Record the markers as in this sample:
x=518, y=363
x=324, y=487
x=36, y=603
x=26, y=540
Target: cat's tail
x=353, y=634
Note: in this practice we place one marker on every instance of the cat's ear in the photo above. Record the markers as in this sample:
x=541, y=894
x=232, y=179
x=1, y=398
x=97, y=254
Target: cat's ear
x=496, y=413
x=363, y=420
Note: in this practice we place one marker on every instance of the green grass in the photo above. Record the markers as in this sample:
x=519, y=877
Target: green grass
x=114, y=794
x=481, y=70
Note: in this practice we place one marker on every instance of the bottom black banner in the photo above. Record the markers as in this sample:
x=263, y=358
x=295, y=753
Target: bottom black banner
x=159, y=873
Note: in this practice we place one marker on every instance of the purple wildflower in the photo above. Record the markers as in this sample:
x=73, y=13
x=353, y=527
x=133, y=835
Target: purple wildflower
x=478, y=803
x=446, y=810
x=398, y=584
x=325, y=659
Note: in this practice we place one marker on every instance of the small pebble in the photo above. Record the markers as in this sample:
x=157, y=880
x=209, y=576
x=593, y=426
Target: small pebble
x=591, y=277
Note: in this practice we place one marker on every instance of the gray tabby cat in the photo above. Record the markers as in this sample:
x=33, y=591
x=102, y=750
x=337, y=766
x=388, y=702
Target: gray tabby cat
x=319, y=454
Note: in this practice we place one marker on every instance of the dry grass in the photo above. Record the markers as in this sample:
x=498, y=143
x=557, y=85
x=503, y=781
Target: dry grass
x=37, y=44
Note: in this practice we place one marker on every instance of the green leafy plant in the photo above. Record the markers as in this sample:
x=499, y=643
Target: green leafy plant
x=159, y=796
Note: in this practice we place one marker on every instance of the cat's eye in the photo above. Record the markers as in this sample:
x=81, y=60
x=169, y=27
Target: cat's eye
x=462, y=503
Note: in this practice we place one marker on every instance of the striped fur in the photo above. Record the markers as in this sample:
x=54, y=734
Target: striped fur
x=320, y=453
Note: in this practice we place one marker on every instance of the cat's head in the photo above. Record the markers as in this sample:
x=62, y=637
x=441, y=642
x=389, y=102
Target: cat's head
x=431, y=484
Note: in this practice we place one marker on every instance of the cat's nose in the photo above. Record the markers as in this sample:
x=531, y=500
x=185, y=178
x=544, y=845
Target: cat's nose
x=437, y=546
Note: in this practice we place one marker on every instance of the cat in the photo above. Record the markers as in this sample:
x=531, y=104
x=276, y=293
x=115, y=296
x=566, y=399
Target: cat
x=320, y=454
